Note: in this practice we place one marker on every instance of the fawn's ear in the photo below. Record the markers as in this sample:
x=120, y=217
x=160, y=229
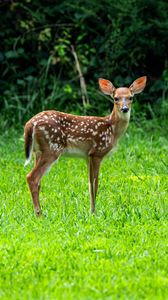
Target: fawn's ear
x=106, y=86
x=138, y=85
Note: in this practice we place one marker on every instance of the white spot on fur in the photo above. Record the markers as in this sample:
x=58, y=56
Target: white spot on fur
x=94, y=133
x=42, y=128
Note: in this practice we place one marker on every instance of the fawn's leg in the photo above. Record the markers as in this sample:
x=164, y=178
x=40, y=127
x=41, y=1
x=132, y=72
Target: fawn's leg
x=37, y=156
x=94, y=166
x=34, y=177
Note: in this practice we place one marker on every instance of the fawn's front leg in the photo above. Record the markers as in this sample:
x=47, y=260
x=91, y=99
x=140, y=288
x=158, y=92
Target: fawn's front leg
x=93, y=168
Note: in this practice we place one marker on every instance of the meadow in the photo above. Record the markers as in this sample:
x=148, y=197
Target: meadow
x=120, y=253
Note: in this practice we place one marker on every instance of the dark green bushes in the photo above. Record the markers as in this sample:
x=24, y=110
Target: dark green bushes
x=117, y=40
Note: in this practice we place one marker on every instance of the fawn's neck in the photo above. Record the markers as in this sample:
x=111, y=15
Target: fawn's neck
x=120, y=122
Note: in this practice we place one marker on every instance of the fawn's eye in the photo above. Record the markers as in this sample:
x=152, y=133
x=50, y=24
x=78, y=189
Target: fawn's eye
x=116, y=99
x=130, y=98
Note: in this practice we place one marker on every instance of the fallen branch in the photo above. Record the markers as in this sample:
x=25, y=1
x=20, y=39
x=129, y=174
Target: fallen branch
x=85, y=98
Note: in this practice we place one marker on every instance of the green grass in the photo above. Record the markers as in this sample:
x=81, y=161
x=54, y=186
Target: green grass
x=121, y=253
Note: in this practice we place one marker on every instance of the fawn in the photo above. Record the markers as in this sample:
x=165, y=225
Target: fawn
x=52, y=133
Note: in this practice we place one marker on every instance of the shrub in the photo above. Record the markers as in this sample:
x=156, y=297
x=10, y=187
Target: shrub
x=113, y=39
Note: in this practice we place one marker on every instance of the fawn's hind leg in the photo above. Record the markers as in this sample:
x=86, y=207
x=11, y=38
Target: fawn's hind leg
x=44, y=161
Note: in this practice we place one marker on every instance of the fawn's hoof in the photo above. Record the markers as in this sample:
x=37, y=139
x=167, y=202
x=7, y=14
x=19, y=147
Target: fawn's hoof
x=38, y=213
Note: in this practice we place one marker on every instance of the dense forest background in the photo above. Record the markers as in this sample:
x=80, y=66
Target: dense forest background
x=117, y=40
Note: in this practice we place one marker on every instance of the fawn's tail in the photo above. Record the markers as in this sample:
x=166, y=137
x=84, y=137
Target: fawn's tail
x=28, y=143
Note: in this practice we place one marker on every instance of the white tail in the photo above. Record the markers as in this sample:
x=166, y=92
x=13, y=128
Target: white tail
x=50, y=134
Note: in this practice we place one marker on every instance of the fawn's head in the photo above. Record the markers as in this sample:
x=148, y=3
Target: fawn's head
x=122, y=96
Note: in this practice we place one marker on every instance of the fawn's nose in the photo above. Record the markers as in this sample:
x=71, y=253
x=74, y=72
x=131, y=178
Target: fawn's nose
x=124, y=109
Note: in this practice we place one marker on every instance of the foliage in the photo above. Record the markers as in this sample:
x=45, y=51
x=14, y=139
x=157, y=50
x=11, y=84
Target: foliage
x=121, y=253
x=113, y=39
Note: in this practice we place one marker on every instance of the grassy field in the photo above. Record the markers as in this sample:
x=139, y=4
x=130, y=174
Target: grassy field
x=121, y=253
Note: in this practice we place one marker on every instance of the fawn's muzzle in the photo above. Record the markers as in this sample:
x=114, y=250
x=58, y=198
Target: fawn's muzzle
x=124, y=109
